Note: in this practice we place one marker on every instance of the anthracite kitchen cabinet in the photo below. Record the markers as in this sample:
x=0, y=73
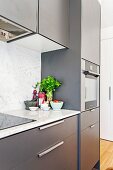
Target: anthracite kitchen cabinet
x=21, y=12
x=54, y=20
x=90, y=31
x=21, y=151
x=65, y=65
x=60, y=158
x=46, y=17
x=89, y=134
x=90, y=147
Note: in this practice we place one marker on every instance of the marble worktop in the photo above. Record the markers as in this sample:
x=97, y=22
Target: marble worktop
x=42, y=118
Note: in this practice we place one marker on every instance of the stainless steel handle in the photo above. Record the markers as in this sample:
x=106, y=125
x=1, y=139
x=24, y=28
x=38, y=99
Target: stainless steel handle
x=85, y=92
x=50, y=125
x=92, y=126
x=109, y=92
x=50, y=149
x=91, y=73
x=92, y=110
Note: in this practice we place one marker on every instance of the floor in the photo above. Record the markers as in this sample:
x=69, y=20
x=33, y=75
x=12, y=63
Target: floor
x=106, y=155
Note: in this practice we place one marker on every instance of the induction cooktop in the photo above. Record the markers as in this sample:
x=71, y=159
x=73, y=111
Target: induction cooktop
x=8, y=121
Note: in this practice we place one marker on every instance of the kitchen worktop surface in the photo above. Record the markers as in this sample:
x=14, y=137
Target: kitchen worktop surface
x=41, y=117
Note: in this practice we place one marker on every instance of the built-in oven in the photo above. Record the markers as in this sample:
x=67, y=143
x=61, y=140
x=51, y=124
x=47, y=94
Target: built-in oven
x=89, y=85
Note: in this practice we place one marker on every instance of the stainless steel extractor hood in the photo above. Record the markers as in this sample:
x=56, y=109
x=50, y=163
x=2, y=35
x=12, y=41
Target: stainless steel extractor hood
x=10, y=31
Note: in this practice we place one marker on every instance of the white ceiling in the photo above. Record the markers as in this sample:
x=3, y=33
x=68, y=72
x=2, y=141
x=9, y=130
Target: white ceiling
x=106, y=13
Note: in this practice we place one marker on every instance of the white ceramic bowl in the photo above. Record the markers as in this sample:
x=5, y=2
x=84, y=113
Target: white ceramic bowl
x=56, y=105
x=33, y=108
x=46, y=108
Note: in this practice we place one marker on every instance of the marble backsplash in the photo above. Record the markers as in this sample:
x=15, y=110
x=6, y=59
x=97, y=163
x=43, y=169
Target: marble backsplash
x=20, y=68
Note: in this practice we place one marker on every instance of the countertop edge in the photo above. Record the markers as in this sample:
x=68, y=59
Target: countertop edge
x=25, y=127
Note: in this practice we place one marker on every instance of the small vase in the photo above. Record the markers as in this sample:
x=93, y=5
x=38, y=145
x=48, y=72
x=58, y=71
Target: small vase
x=49, y=96
x=41, y=96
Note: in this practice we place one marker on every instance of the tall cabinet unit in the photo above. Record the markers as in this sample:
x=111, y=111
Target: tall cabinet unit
x=90, y=51
x=66, y=66
x=106, y=92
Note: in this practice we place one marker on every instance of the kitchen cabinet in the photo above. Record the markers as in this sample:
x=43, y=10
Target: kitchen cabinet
x=21, y=12
x=90, y=31
x=54, y=20
x=89, y=117
x=89, y=139
x=84, y=43
x=62, y=157
x=48, y=20
x=55, y=142
x=90, y=147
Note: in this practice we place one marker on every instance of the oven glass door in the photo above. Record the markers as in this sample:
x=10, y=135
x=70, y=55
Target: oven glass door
x=91, y=92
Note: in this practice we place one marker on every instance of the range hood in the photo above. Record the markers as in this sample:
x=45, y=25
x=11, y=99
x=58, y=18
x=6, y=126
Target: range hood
x=14, y=33
x=10, y=31
x=38, y=43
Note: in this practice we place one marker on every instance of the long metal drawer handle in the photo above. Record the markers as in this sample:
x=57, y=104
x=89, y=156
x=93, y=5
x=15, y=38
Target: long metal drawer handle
x=92, y=110
x=50, y=149
x=109, y=92
x=92, y=126
x=50, y=125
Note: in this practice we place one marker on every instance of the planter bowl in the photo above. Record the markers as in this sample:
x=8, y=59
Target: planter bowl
x=31, y=103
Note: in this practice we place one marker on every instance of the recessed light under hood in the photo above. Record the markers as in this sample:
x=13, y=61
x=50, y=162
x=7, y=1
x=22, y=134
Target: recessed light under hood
x=10, y=31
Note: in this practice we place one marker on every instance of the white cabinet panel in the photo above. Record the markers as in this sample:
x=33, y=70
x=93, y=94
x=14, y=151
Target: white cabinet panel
x=106, y=90
x=105, y=109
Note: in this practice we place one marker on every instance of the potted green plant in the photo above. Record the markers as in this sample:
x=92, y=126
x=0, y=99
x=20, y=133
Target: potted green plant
x=49, y=85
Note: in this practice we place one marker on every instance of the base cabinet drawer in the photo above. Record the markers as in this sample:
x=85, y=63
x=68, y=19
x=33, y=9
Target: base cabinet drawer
x=90, y=147
x=89, y=117
x=21, y=147
x=61, y=156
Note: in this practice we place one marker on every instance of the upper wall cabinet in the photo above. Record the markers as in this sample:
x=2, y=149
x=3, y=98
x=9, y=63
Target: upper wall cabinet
x=91, y=30
x=47, y=19
x=21, y=12
x=54, y=20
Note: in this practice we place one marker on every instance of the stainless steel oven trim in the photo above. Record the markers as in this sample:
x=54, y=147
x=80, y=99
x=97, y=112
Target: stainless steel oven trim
x=96, y=75
x=82, y=86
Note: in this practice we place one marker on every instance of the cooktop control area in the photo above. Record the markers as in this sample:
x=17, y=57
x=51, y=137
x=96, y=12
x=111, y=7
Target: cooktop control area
x=8, y=121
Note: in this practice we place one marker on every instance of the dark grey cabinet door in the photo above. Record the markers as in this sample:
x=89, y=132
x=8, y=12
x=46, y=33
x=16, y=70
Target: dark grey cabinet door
x=89, y=117
x=89, y=147
x=54, y=20
x=22, y=12
x=91, y=30
x=60, y=158
x=23, y=147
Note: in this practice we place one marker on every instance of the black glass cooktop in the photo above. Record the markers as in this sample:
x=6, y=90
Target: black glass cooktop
x=7, y=121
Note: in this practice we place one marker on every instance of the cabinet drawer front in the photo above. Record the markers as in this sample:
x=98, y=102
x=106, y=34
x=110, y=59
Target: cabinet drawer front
x=56, y=132
x=90, y=147
x=21, y=147
x=88, y=118
x=63, y=157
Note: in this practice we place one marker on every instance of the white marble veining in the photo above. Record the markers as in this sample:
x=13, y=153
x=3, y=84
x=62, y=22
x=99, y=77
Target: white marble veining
x=20, y=68
x=41, y=117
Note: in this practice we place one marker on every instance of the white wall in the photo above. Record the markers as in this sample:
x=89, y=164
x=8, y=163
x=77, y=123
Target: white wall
x=107, y=13
x=20, y=68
